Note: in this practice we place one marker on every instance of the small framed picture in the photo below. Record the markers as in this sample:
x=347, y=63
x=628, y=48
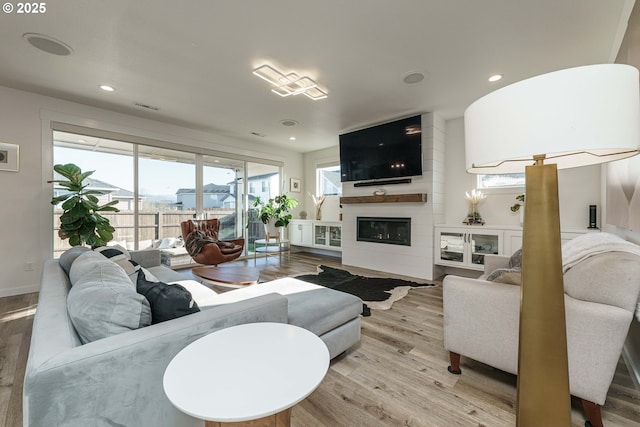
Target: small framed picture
x=9, y=157
x=295, y=185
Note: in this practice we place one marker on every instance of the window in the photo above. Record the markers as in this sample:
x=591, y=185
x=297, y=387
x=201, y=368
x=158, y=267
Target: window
x=328, y=180
x=158, y=187
x=504, y=180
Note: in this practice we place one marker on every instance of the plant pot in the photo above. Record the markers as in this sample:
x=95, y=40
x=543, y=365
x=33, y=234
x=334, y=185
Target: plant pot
x=271, y=231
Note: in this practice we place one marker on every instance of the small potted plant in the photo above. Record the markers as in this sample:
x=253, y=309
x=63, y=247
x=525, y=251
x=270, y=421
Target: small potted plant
x=275, y=214
x=80, y=221
x=516, y=207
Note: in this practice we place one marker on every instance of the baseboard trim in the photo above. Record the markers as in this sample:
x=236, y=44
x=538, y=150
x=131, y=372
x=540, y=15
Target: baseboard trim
x=20, y=290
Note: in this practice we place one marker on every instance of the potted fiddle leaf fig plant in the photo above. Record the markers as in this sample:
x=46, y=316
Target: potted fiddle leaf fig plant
x=275, y=213
x=81, y=221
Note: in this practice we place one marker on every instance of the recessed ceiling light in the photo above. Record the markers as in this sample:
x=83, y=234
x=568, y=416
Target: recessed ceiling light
x=413, y=77
x=288, y=122
x=292, y=138
x=47, y=44
x=106, y=88
x=495, y=77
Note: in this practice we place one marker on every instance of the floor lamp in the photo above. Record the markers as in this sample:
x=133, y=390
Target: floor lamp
x=569, y=118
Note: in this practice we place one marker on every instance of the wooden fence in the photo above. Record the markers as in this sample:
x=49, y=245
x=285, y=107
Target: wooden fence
x=151, y=226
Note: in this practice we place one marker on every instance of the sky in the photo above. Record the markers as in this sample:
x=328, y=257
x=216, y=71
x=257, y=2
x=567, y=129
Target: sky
x=157, y=177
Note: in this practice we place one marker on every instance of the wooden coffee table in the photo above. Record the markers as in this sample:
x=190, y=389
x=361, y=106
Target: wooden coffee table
x=230, y=276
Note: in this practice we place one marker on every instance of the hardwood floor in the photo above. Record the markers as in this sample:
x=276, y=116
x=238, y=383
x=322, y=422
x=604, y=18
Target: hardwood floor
x=396, y=375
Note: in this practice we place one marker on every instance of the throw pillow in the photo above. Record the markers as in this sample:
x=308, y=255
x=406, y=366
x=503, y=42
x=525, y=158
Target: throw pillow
x=70, y=255
x=167, y=243
x=511, y=276
x=167, y=301
x=103, y=303
x=122, y=257
x=516, y=259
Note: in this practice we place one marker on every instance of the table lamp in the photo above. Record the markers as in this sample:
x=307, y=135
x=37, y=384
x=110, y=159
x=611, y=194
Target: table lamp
x=569, y=118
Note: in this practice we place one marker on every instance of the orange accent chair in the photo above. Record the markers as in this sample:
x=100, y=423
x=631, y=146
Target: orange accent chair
x=212, y=254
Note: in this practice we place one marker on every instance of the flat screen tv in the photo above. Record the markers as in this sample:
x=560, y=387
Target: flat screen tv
x=390, y=150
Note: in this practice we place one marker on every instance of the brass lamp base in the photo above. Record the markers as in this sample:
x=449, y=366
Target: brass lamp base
x=543, y=375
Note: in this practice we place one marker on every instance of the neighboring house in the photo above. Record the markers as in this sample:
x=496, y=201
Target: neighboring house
x=111, y=192
x=224, y=197
x=264, y=186
x=214, y=196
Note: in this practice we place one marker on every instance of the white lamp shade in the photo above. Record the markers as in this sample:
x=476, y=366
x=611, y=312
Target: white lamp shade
x=575, y=117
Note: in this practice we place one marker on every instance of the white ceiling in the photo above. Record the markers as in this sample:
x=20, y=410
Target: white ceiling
x=193, y=59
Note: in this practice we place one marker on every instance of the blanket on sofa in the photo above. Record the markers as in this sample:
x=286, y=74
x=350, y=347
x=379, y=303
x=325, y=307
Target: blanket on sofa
x=590, y=244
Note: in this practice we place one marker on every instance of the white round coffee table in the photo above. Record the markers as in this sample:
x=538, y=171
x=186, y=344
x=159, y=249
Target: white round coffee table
x=244, y=373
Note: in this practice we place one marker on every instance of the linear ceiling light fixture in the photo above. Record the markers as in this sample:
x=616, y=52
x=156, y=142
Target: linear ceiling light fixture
x=290, y=84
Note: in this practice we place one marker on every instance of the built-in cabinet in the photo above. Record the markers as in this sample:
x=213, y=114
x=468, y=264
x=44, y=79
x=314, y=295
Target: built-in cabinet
x=466, y=246
x=316, y=234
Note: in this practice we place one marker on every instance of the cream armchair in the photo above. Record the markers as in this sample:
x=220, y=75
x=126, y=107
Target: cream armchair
x=481, y=319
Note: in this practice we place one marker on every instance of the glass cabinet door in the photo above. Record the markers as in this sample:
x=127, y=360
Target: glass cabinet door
x=452, y=246
x=481, y=245
x=335, y=236
x=320, y=235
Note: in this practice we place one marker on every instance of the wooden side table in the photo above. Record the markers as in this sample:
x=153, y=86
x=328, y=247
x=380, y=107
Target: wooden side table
x=248, y=375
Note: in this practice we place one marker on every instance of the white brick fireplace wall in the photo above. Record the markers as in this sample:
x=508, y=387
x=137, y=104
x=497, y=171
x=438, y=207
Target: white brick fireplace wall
x=415, y=260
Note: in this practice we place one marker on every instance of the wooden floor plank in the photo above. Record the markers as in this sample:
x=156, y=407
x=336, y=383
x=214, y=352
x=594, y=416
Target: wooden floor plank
x=396, y=375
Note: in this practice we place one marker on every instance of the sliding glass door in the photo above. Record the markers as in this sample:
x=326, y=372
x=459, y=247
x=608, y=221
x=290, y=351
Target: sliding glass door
x=223, y=194
x=113, y=163
x=166, y=195
x=158, y=188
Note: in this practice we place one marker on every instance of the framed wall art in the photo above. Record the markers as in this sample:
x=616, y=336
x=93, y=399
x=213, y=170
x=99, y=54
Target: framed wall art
x=9, y=157
x=294, y=186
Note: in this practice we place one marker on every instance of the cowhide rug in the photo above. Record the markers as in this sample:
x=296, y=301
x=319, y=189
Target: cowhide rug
x=377, y=292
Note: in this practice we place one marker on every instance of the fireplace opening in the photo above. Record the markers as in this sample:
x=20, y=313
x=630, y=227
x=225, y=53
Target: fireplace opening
x=394, y=231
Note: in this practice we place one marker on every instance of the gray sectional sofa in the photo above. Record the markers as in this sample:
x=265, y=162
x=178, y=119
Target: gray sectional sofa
x=117, y=380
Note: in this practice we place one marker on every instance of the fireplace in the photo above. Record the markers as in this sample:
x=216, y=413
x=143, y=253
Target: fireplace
x=394, y=231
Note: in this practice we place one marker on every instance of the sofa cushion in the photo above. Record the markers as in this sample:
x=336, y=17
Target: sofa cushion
x=166, y=301
x=313, y=307
x=70, y=255
x=103, y=302
x=84, y=264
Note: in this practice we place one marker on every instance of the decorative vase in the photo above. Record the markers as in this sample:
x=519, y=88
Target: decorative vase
x=318, y=212
x=474, y=217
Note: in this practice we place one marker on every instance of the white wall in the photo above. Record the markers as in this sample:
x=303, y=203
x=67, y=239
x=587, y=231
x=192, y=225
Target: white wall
x=578, y=188
x=25, y=212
